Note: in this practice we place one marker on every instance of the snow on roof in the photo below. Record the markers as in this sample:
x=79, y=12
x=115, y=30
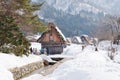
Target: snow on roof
x=29, y=37
x=78, y=38
x=84, y=35
x=60, y=33
x=36, y=37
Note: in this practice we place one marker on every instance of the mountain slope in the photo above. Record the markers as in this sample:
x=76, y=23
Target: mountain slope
x=74, y=17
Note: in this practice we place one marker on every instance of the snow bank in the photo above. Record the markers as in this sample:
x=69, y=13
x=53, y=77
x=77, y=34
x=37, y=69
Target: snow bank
x=36, y=45
x=72, y=50
x=5, y=74
x=117, y=57
x=87, y=66
x=105, y=45
x=10, y=60
x=38, y=77
x=60, y=56
x=34, y=77
x=45, y=57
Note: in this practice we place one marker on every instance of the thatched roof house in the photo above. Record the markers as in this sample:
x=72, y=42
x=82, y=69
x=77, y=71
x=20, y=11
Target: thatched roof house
x=53, y=40
x=76, y=40
x=86, y=39
x=68, y=40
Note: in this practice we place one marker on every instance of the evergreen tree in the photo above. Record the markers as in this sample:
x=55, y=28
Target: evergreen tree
x=15, y=14
x=22, y=11
x=11, y=38
x=28, y=19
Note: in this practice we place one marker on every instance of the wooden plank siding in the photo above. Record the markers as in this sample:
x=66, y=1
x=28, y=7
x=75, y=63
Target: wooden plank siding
x=53, y=49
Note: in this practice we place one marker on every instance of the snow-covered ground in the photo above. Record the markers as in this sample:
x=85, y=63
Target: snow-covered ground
x=35, y=77
x=72, y=50
x=8, y=61
x=5, y=74
x=86, y=65
x=104, y=46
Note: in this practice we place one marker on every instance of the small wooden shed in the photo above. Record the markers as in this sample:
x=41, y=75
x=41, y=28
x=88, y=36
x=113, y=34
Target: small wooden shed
x=53, y=40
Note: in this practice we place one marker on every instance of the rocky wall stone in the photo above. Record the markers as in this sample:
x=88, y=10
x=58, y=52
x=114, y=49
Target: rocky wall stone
x=19, y=72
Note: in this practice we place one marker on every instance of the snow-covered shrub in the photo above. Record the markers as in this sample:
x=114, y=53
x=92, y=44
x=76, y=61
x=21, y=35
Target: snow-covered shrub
x=5, y=49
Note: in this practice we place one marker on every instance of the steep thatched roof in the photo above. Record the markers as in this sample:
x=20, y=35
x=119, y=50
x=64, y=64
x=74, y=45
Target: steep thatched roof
x=77, y=39
x=60, y=34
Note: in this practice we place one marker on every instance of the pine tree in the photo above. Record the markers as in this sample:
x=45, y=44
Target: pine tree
x=11, y=21
x=27, y=18
x=22, y=11
x=11, y=38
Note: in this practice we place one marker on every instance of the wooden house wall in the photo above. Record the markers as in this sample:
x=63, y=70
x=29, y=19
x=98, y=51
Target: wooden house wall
x=54, y=49
x=46, y=38
x=55, y=37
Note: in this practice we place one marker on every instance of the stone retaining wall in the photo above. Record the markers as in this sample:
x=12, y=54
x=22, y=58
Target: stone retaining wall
x=19, y=72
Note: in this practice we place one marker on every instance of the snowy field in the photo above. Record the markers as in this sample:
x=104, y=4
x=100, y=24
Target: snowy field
x=86, y=65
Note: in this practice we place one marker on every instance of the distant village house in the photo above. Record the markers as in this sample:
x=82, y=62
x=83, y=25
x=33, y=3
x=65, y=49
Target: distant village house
x=86, y=40
x=68, y=41
x=76, y=40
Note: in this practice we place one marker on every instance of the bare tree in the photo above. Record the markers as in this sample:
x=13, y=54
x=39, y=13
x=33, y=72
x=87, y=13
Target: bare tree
x=109, y=29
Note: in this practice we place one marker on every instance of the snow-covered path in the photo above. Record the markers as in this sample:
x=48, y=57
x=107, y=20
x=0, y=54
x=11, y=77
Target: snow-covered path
x=47, y=70
x=87, y=65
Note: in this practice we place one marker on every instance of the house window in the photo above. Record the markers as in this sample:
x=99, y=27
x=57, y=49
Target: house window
x=51, y=38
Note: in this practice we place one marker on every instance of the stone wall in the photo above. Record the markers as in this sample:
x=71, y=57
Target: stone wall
x=19, y=72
